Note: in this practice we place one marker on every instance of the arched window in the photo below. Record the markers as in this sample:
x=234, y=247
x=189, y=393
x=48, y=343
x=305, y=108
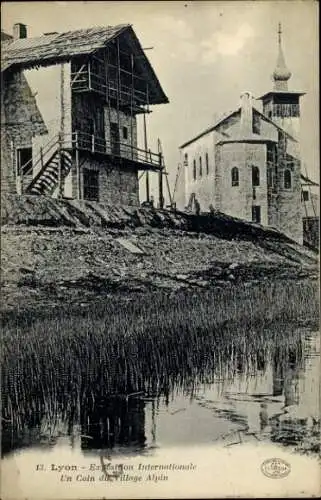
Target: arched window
x=201, y=168
x=235, y=176
x=194, y=170
x=255, y=176
x=287, y=179
x=207, y=166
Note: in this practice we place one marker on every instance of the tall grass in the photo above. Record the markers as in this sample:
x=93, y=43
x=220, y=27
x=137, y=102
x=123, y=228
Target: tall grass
x=62, y=364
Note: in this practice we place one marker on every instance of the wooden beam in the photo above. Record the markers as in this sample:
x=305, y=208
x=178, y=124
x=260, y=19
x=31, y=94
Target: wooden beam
x=77, y=74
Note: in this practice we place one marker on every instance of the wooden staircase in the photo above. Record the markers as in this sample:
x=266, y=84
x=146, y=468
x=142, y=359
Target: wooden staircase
x=54, y=171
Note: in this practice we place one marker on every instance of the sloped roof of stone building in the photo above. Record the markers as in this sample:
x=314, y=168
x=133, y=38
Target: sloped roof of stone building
x=228, y=116
x=307, y=182
x=54, y=48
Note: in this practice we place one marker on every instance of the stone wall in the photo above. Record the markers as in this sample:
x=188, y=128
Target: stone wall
x=238, y=200
x=117, y=185
x=206, y=186
x=21, y=120
x=285, y=211
x=203, y=184
x=311, y=231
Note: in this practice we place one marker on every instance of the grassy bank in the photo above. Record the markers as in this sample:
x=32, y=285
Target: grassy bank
x=59, y=363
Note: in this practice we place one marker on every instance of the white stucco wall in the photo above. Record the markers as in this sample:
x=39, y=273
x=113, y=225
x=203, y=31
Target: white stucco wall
x=45, y=84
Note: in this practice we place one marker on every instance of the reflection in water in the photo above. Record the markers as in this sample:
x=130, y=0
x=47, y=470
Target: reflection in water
x=275, y=398
x=114, y=421
x=299, y=423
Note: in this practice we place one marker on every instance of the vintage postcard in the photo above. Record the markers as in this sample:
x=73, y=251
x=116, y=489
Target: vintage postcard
x=160, y=250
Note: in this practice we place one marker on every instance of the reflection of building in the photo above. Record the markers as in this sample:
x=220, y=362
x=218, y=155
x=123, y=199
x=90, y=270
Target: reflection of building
x=291, y=386
x=288, y=427
x=248, y=163
x=310, y=211
x=70, y=103
x=286, y=369
x=115, y=421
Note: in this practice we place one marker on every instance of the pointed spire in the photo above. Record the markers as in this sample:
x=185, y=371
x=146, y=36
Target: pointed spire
x=281, y=74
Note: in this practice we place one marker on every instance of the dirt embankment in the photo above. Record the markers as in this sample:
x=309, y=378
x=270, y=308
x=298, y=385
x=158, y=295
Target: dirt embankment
x=56, y=252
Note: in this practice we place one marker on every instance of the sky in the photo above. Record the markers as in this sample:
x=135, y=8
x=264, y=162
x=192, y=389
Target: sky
x=205, y=54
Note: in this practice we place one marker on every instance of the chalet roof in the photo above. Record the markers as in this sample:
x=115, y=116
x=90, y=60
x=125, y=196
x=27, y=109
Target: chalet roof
x=229, y=115
x=54, y=48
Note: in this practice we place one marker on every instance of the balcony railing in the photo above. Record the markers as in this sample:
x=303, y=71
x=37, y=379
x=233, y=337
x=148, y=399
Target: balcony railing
x=82, y=141
x=94, y=144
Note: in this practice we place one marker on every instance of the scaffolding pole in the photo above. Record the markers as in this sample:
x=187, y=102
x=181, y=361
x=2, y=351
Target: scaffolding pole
x=119, y=88
x=62, y=99
x=160, y=181
x=146, y=145
x=78, y=169
x=163, y=167
x=146, y=156
x=108, y=93
x=62, y=128
x=131, y=106
x=60, y=166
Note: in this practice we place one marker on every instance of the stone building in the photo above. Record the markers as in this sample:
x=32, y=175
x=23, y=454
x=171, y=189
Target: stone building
x=310, y=212
x=69, y=108
x=248, y=163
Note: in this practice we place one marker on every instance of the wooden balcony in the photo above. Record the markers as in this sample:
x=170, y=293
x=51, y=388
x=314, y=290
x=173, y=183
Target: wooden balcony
x=136, y=157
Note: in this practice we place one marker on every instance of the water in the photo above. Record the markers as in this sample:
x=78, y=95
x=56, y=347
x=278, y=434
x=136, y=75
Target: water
x=275, y=409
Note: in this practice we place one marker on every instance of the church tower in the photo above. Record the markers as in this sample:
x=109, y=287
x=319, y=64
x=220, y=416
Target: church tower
x=281, y=104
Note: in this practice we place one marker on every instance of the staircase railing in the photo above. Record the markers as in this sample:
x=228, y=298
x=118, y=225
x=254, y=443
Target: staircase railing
x=43, y=152
x=41, y=158
x=40, y=173
x=57, y=141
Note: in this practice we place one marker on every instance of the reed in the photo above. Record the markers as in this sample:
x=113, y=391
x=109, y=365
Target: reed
x=151, y=343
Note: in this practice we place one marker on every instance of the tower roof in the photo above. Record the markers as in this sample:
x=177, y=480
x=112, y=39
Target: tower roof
x=281, y=74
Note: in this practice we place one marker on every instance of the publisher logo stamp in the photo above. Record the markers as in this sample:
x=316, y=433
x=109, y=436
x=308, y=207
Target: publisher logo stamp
x=275, y=468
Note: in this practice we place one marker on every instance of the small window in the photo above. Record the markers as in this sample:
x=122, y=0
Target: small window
x=305, y=195
x=207, y=165
x=287, y=179
x=255, y=176
x=194, y=170
x=256, y=214
x=235, y=176
x=270, y=177
x=91, y=184
x=99, y=122
x=256, y=124
x=125, y=133
x=24, y=161
x=186, y=159
x=201, y=167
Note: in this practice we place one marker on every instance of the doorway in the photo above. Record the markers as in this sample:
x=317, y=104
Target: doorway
x=256, y=214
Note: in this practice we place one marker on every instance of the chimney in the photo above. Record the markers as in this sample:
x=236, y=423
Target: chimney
x=19, y=31
x=246, y=128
